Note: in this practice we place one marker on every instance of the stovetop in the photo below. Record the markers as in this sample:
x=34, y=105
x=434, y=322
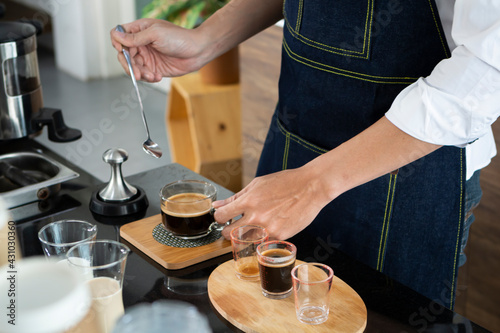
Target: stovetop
x=65, y=196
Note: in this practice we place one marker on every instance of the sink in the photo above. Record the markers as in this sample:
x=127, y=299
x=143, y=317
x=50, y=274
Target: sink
x=46, y=176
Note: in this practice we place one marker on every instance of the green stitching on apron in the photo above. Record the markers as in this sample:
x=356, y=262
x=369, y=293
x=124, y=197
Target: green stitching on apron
x=299, y=17
x=387, y=217
x=304, y=143
x=439, y=31
x=460, y=219
x=285, y=153
x=323, y=47
x=361, y=54
x=343, y=72
x=366, y=35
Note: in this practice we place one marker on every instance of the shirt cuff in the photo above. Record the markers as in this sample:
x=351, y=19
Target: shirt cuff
x=454, y=106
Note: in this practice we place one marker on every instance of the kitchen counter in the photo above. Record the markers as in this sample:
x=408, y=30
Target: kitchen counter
x=391, y=306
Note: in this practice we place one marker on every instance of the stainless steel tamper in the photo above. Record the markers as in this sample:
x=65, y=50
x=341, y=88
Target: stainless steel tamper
x=117, y=197
x=117, y=189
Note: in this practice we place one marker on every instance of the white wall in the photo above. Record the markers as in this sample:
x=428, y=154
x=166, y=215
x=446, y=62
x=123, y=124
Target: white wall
x=81, y=34
x=82, y=45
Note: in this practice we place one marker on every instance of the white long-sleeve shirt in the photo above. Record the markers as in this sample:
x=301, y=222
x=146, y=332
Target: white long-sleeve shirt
x=457, y=103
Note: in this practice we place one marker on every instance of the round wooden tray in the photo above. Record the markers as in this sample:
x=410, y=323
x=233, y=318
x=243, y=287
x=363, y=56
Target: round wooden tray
x=243, y=305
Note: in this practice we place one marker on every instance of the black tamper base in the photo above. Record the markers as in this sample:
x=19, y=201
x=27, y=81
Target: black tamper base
x=137, y=203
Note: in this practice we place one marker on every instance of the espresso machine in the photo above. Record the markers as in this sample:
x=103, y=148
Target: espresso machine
x=21, y=104
x=26, y=177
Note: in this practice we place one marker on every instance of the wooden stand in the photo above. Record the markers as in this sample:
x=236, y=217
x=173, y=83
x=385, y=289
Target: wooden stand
x=243, y=305
x=140, y=235
x=204, y=128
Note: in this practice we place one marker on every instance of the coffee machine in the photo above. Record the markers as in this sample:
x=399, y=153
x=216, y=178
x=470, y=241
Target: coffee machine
x=21, y=104
x=28, y=179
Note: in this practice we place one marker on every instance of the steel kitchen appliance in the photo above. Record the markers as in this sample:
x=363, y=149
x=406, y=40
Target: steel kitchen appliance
x=26, y=177
x=21, y=104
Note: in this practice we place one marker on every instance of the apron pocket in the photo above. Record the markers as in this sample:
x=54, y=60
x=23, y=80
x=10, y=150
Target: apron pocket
x=297, y=151
x=344, y=27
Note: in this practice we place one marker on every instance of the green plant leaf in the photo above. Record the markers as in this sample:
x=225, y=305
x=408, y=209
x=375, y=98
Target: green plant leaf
x=186, y=13
x=193, y=17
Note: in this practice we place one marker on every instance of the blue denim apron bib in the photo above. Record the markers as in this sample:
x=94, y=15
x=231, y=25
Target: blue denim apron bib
x=343, y=63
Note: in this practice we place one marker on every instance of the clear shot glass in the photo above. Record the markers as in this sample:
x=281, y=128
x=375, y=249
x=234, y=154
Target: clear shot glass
x=244, y=242
x=312, y=283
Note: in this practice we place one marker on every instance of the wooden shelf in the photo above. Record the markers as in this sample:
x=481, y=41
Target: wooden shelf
x=204, y=129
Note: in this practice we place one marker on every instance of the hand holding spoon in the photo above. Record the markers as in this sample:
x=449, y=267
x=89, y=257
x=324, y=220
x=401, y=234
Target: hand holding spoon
x=149, y=145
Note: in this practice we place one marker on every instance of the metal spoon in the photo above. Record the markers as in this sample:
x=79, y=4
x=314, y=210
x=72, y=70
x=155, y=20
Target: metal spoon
x=149, y=145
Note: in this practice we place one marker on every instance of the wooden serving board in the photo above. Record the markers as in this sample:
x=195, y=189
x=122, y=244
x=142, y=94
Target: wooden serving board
x=140, y=235
x=243, y=305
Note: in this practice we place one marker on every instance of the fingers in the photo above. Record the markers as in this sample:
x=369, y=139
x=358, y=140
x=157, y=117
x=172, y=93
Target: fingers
x=123, y=62
x=151, y=77
x=141, y=71
x=116, y=38
x=136, y=34
x=138, y=25
x=229, y=209
x=131, y=39
x=131, y=28
x=221, y=203
x=137, y=72
x=226, y=232
x=227, y=212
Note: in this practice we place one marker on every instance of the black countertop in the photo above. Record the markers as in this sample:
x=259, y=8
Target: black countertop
x=391, y=306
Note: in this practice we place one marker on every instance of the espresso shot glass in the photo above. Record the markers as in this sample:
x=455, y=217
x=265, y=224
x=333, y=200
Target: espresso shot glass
x=244, y=242
x=312, y=285
x=276, y=261
x=186, y=208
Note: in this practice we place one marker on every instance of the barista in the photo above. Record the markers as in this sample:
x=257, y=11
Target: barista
x=382, y=124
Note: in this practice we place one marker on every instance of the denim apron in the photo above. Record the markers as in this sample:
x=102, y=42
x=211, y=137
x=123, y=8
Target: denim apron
x=343, y=63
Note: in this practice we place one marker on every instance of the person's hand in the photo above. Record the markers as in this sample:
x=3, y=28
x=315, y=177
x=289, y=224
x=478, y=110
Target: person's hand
x=284, y=203
x=158, y=49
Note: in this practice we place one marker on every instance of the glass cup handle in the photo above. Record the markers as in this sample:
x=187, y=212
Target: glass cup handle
x=215, y=225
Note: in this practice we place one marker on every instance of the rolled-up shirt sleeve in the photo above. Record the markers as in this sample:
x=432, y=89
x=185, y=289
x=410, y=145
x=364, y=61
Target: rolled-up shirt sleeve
x=457, y=103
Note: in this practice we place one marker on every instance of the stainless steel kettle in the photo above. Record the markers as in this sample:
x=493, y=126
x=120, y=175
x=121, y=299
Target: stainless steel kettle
x=21, y=104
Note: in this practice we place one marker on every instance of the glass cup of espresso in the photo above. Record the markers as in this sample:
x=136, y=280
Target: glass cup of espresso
x=186, y=208
x=276, y=261
x=244, y=242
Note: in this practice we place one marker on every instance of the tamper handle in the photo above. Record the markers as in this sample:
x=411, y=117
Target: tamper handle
x=117, y=189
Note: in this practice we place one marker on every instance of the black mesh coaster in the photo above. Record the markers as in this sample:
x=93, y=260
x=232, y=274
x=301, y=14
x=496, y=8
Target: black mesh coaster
x=161, y=235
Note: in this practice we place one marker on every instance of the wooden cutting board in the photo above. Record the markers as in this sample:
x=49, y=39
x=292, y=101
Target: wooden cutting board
x=243, y=305
x=140, y=235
